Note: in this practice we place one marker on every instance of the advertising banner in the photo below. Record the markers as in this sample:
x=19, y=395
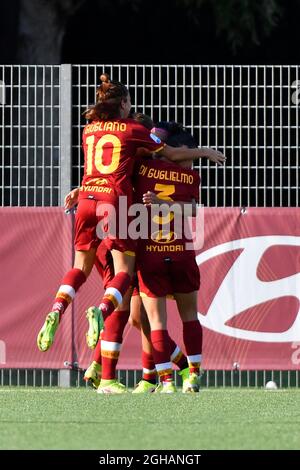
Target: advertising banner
x=249, y=299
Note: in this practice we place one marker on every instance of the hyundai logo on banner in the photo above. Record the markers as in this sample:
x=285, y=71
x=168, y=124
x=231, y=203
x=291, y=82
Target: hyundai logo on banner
x=241, y=289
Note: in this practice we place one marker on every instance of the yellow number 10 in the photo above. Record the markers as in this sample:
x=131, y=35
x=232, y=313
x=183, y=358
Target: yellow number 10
x=96, y=153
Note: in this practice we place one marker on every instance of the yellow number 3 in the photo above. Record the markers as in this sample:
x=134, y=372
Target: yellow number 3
x=96, y=153
x=164, y=192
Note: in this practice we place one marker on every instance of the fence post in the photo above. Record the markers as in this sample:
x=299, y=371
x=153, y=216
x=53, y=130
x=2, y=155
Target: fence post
x=65, y=130
x=65, y=176
x=64, y=378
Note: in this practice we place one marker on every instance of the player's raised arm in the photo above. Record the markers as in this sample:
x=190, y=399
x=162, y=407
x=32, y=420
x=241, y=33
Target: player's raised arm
x=71, y=199
x=175, y=154
x=189, y=209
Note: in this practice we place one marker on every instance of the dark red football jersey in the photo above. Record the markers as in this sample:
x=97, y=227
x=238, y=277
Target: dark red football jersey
x=110, y=149
x=172, y=183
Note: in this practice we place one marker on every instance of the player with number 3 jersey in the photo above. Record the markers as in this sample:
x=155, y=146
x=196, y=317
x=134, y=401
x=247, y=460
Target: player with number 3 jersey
x=165, y=265
x=162, y=257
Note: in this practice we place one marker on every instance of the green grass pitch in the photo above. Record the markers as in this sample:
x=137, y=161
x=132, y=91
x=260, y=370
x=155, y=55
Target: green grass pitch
x=35, y=418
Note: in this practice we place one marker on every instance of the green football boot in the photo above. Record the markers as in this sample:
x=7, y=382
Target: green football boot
x=96, y=324
x=166, y=387
x=93, y=374
x=45, y=337
x=191, y=384
x=144, y=387
x=111, y=387
x=185, y=374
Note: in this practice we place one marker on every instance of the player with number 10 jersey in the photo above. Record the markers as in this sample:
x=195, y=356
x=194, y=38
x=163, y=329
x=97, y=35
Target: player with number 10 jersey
x=109, y=148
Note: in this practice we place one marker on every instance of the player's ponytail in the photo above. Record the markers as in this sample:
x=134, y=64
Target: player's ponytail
x=108, y=100
x=103, y=88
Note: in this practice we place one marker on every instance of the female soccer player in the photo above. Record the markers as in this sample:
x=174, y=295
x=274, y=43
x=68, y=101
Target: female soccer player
x=110, y=143
x=187, y=303
x=165, y=267
x=107, y=350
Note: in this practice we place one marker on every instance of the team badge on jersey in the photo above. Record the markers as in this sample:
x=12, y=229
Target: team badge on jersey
x=155, y=138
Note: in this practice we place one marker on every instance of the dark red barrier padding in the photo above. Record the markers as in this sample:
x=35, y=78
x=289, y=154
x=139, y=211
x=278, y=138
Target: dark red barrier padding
x=248, y=300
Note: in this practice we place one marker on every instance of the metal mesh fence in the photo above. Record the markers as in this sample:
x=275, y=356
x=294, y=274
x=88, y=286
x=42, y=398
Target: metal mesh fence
x=211, y=378
x=29, y=128
x=245, y=111
x=251, y=113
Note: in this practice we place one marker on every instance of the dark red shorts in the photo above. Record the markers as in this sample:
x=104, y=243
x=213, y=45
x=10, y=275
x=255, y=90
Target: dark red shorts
x=86, y=221
x=162, y=278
